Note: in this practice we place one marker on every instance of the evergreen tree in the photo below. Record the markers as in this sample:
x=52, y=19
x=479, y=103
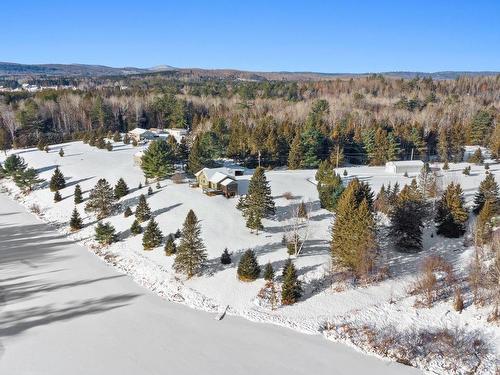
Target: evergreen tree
x=427, y=182
x=57, y=196
x=126, y=139
x=258, y=201
x=353, y=242
x=483, y=223
x=481, y=127
x=191, y=253
x=488, y=190
x=195, y=158
x=105, y=233
x=254, y=221
x=312, y=145
x=57, y=181
x=61, y=152
x=248, y=268
x=477, y=157
x=101, y=199
x=466, y=170
x=296, y=154
x=225, y=258
x=393, y=149
x=291, y=289
x=78, y=198
x=170, y=247
x=152, y=235
x=128, y=212
x=362, y=191
x=75, y=223
x=121, y=189
x=157, y=161
x=27, y=179
x=116, y=137
x=150, y=190
x=142, y=211
x=109, y=146
x=451, y=215
x=136, y=228
x=269, y=272
x=446, y=166
x=329, y=185
x=407, y=218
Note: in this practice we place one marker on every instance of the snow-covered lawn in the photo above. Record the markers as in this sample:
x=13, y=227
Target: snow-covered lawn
x=382, y=304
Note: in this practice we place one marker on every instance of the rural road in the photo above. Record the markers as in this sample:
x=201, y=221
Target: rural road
x=63, y=311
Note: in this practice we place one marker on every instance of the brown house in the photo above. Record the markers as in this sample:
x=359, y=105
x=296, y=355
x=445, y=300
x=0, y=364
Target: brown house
x=215, y=181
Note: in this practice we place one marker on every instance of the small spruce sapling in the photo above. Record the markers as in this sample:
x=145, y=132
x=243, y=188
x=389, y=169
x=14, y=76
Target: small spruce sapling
x=269, y=272
x=78, y=195
x=136, y=228
x=61, y=152
x=170, y=246
x=75, y=223
x=225, y=258
x=128, y=212
x=57, y=196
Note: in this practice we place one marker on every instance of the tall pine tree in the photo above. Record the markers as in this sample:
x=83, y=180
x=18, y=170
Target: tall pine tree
x=191, y=254
x=258, y=202
x=291, y=289
x=142, y=211
x=451, y=215
x=101, y=199
x=353, y=242
x=488, y=190
x=157, y=161
x=407, y=217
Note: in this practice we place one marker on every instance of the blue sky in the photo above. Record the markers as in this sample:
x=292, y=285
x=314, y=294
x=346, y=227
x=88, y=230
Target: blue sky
x=323, y=36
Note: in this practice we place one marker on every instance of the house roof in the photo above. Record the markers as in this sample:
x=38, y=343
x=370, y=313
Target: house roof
x=138, y=131
x=228, y=181
x=406, y=163
x=215, y=174
x=217, y=177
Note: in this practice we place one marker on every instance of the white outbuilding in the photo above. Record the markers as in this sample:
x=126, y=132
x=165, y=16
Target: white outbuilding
x=404, y=166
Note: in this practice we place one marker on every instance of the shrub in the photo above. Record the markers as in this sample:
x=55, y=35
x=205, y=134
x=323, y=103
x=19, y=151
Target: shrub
x=287, y=195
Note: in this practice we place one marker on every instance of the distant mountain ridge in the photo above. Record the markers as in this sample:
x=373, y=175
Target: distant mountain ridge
x=15, y=70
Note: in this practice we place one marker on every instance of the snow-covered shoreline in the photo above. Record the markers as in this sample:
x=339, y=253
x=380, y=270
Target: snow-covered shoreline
x=219, y=287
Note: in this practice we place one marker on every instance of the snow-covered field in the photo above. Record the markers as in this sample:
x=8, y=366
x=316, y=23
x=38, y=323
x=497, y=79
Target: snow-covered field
x=382, y=305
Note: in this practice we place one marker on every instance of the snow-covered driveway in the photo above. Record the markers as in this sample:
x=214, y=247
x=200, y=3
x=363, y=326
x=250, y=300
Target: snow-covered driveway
x=63, y=311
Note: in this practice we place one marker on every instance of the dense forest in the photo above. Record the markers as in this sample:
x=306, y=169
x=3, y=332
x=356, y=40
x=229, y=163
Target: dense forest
x=369, y=119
